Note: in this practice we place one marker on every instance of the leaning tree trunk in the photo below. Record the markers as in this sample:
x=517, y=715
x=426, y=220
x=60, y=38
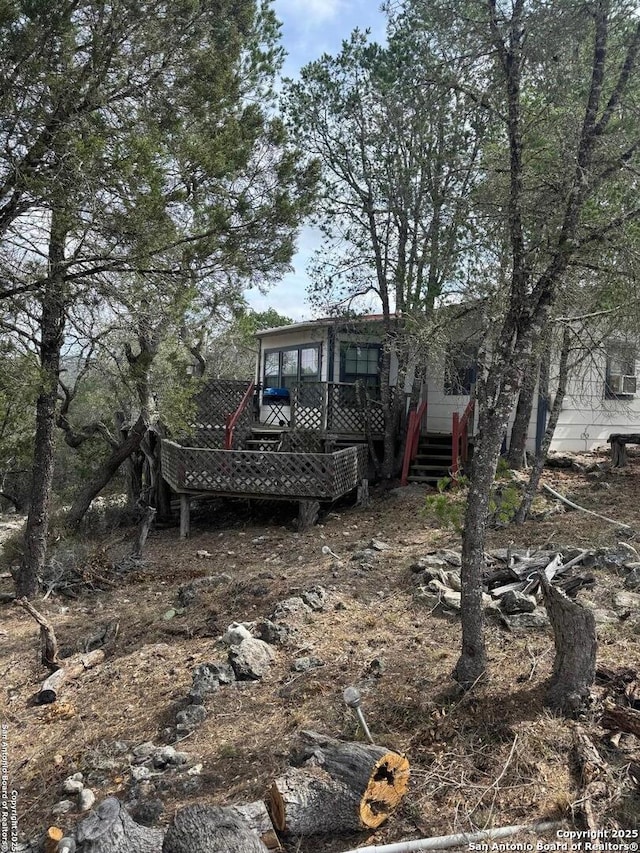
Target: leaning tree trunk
x=52, y=324
x=520, y=428
x=111, y=829
x=541, y=455
x=105, y=473
x=574, y=667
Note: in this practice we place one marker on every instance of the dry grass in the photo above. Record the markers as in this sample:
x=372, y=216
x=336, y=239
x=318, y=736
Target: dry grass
x=492, y=757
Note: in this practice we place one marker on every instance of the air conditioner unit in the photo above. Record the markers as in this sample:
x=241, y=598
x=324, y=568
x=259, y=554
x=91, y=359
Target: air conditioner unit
x=628, y=384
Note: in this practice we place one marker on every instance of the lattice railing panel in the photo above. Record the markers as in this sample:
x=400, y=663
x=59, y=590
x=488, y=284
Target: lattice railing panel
x=334, y=408
x=286, y=475
x=350, y=465
x=302, y=441
x=347, y=413
x=308, y=406
x=215, y=401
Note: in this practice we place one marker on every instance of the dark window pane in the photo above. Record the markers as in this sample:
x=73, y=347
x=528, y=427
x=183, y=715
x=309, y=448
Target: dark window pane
x=290, y=363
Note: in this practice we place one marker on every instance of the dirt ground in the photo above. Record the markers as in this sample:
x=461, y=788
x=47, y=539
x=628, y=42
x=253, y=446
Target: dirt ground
x=494, y=757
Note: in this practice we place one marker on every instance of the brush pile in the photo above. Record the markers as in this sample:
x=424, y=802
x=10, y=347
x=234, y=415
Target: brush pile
x=509, y=570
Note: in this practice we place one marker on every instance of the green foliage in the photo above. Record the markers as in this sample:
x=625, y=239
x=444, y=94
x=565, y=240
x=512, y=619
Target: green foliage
x=447, y=507
x=19, y=384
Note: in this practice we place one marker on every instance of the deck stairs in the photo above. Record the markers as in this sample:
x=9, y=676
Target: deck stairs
x=264, y=438
x=433, y=460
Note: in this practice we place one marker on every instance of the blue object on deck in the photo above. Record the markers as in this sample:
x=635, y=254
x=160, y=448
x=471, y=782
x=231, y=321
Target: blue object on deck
x=275, y=395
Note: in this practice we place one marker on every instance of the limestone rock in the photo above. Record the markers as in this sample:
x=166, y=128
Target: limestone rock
x=315, y=598
x=190, y=717
x=86, y=800
x=166, y=756
x=207, y=678
x=140, y=774
x=537, y=619
x=270, y=632
x=72, y=785
x=306, y=663
x=378, y=545
x=293, y=606
x=250, y=659
x=513, y=601
x=144, y=750
x=626, y=603
x=235, y=634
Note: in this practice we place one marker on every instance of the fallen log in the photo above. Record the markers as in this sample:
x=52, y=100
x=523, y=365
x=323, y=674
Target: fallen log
x=574, y=667
x=211, y=829
x=619, y=719
x=256, y=816
x=110, y=829
x=71, y=668
x=594, y=776
x=338, y=787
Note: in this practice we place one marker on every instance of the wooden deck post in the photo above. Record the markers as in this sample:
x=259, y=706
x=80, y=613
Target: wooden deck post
x=363, y=493
x=307, y=514
x=185, y=515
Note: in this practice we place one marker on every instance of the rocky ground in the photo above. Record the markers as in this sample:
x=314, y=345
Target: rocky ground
x=235, y=640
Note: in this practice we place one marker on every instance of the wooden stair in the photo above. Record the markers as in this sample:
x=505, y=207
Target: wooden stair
x=264, y=438
x=433, y=460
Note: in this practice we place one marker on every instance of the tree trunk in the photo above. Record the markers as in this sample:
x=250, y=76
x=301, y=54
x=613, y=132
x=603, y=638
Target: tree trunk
x=541, y=454
x=52, y=323
x=574, y=667
x=520, y=429
x=472, y=664
x=211, y=829
x=110, y=829
x=105, y=473
x=340, y=787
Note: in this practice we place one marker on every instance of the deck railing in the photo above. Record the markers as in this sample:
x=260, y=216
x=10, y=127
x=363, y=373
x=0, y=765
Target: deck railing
x=323, y=476
x=334, y=407
x=414, y=427
x=241, y=414
x=460, y=438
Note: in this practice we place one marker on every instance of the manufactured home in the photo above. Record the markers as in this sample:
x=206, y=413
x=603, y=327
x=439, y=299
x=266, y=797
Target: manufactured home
x=301, y=430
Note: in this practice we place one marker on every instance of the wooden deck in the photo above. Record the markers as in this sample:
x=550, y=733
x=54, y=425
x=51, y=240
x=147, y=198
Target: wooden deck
x=305, y=477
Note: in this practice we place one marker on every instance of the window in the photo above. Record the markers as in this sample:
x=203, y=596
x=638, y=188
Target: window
x=361, y=362
x=287, y=367
x=460, y=369
x=620, y=377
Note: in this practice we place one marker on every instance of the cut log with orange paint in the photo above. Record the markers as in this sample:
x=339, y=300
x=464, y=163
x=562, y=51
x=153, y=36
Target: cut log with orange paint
x=51, y=838
x=337, y=787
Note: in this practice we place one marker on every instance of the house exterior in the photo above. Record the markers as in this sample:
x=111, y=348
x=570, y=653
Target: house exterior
x=602, y=395
x=304, y=361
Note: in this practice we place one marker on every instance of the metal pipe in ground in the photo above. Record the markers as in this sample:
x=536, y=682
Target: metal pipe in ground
x=442, y=842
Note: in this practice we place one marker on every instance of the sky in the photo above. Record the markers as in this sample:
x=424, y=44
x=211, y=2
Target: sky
x=309, y=29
